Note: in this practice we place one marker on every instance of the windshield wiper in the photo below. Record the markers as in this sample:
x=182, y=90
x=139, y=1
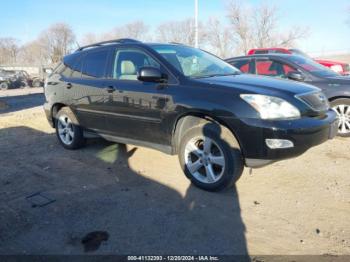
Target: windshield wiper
x=214, y=75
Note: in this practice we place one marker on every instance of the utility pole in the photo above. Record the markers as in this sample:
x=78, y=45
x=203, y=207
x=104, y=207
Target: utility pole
x=196, y=23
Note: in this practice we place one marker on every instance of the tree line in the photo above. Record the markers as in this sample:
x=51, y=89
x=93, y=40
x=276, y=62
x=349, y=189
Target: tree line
x=244, y=27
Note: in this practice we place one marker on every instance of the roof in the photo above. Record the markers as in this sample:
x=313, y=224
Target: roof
x=120, y=41
x=109, y=42
x=262, y=55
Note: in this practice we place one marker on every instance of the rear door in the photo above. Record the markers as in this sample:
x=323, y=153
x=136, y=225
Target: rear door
x=86, y=89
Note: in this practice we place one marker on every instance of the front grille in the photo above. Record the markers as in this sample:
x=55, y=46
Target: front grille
x=316, y=100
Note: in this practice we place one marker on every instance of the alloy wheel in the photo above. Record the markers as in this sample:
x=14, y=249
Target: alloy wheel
x=204, y=159
x=65, y=129
x=343, y=112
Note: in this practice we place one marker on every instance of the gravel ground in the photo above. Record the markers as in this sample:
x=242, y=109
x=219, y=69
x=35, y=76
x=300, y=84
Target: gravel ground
x=134, y=200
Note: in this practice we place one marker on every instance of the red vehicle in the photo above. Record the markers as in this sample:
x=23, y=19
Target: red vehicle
x=339, y=67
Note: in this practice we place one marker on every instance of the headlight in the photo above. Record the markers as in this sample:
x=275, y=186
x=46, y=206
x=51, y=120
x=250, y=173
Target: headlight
x=1, y=78
x=270, y=107
x=337, y=68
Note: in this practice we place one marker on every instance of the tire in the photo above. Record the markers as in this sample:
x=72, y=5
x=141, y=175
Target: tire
x=4, y=86
x=198, y=162
x=68, y=131
x=24, y=84
x=342, y=108
x=36, y=83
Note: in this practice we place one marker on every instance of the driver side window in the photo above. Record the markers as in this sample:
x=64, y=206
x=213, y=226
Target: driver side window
x=128, y=62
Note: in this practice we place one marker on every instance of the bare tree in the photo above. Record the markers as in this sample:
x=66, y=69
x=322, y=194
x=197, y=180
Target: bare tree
x=177, y=31
x=136, y=30
x=258, y=27
x=32, y=54
x=264, y=25
x=58, y=40
x=238, y=15
x=219, y=38
x=290, y=38
x=9, y=50
x=89, y=38
x=267, y=35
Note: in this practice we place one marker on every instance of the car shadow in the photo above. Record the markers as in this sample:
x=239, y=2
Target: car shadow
x=12, y=104
x=98, y=193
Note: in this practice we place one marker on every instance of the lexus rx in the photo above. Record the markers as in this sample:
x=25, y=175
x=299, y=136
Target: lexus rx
x=181, y=100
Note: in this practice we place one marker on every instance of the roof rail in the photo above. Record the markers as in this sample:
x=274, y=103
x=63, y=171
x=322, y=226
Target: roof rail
x=176, y=43
x=121, y=41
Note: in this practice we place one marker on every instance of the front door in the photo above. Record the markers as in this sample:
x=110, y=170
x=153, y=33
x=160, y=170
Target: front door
x=135, y=108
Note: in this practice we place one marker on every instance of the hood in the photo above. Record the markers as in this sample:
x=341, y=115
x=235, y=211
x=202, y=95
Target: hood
x=329, y=62
x=342, y=80
x=259, y=84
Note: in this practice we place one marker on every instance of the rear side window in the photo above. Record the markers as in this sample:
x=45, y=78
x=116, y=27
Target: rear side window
x=273, y=68
x=242, y=65
x=265, y=67
x=77, y=68
x=94, y=64
x=69, y=68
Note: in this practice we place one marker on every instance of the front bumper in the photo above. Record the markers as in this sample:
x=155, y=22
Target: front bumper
x=48, y=113
x=304, y=133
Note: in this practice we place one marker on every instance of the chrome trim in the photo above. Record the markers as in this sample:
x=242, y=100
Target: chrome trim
x=143, y=118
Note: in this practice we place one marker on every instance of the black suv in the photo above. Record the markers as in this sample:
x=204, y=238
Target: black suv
x=303, y=69
x=181, y=100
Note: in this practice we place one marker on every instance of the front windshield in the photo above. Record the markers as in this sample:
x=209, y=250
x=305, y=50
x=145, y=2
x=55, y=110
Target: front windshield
x=313, y=67
x=194, y=63
x=299, y=52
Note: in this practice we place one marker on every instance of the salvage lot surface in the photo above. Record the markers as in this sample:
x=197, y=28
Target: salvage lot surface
x=142, y=203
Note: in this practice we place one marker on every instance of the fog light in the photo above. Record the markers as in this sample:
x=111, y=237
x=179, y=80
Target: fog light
x=279, y=143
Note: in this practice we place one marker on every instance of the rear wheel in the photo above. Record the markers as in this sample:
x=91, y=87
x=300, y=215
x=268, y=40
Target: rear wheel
x=68, y=131
x=342, y=108
x=4, y=86
x=210, y=157
x=36, y=83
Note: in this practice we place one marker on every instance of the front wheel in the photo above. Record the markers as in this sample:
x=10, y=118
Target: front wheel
x=68, y=131
x=342, y=108
x=210, y=158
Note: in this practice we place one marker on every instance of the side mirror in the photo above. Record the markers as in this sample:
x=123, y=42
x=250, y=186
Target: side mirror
x=296, y=76
x=150, y=74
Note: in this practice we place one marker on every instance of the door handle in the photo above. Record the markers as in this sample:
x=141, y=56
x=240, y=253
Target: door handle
x=69, y=85
x=110, y=89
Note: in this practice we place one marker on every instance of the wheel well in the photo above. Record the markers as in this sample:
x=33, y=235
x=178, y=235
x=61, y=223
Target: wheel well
x=54, y=110
x=187, y=121
x=338, y=97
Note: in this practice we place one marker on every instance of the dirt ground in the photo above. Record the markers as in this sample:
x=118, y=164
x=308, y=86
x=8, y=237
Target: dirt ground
x=135, y=200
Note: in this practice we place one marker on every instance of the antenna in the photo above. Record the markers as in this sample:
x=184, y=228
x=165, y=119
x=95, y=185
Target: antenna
x=76, y=42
